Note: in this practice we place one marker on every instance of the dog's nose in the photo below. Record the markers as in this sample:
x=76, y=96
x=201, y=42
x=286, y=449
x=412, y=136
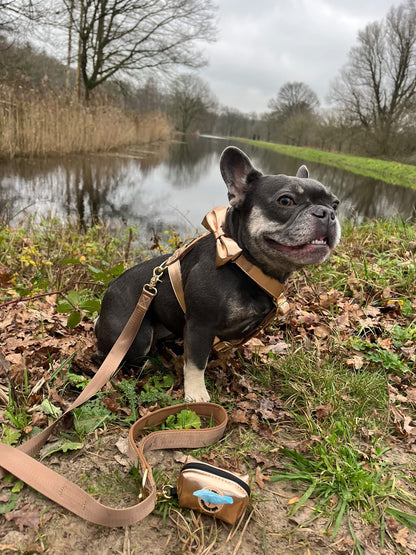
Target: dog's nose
x=324, y=212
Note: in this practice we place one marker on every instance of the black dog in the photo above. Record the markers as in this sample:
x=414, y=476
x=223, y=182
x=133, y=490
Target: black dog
x=281, y=224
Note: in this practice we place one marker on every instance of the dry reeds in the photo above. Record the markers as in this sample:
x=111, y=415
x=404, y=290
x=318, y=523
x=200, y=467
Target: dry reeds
x=37, y=124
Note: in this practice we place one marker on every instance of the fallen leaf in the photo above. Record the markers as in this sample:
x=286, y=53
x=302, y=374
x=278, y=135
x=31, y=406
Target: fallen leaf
x=322, y=331
x=112, y=404
x=386, y=343
x=261, y=478
x=123, y=445
x=266, y=410
x=238, y=417
x=5, y=275
x=355, y=361
x=372, y=311
x=411, y=394
x=392, y=523
x=25, y=517
x=323, y=411
x=329, y=299
x=401, y=536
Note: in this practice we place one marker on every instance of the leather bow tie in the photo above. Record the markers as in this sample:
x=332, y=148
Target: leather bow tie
x=227, y=248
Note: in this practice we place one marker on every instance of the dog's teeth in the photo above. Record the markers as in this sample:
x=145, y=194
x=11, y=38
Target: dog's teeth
x=318, y=242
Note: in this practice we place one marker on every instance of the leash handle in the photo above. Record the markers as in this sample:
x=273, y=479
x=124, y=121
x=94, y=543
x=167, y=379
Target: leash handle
x=72, y=497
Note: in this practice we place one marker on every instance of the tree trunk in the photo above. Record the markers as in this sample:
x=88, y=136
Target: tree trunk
x=69, y=53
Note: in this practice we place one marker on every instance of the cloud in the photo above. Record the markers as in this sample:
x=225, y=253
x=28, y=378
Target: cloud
x=265, y=43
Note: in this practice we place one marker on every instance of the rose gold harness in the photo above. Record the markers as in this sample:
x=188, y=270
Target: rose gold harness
x=227, y=250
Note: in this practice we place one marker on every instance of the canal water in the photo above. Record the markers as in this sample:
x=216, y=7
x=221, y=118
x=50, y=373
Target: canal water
x=172, y=186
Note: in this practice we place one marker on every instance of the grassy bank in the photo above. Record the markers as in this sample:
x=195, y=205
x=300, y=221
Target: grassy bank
x=390, y=172
x=322, y=404
x=34, y=124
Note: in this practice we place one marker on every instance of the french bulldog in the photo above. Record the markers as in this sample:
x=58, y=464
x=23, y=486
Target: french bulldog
x=281, y=223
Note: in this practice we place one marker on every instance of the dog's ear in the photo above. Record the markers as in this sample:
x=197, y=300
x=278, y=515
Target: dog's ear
x=238, y=172
x=302, y=172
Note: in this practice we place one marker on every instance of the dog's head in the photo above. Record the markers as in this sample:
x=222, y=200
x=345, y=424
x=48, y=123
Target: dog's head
x=282, y=222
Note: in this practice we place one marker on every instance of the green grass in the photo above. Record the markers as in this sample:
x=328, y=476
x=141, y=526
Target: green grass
x=373, y=258
x=343, y=479
x=394, y=173
x=305, y=381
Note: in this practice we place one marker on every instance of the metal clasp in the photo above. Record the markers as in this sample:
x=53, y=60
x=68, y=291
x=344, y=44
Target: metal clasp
x=166, y=492
x=157, y=276
x=142, y=492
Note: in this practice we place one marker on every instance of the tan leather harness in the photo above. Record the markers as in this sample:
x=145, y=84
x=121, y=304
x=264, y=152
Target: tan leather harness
x=227, y=250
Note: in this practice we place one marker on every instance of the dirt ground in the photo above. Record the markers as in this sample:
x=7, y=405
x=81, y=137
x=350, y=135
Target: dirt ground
x=37, y=525
x=264, y=529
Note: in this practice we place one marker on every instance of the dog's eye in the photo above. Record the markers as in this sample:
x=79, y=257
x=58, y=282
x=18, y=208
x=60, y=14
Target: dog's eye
x=335, y=205
x=285, y=201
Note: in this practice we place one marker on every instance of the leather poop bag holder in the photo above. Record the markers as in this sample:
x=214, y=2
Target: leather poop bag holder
x=213, y=491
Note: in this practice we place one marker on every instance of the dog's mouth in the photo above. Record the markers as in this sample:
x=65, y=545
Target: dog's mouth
x=315, y=244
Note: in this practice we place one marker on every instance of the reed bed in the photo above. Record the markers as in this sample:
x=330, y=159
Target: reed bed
x=37, y=124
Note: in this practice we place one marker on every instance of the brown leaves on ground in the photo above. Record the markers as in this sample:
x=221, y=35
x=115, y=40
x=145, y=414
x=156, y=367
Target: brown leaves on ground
x=26, y=517
x=35, y=341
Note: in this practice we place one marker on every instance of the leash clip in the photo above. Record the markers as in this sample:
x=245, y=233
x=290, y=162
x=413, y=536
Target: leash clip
x=157, y=276
x=142, y=493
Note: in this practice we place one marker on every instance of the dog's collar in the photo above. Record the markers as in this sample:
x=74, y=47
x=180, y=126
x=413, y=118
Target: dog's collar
x=227, y=250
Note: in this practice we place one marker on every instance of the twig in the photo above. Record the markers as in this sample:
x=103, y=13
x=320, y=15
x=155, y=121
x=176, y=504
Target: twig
x=4, y=398
x=58, y=292
x=237, y=547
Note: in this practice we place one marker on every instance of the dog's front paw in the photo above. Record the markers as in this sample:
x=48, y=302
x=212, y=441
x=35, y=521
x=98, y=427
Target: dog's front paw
x=195, y=390
x=198, y=396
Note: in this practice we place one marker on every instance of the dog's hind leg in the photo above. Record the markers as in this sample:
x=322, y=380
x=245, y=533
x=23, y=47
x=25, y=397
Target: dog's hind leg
x=197, y=346
x=107, y=332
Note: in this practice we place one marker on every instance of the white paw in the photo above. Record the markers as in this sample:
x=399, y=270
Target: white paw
x=200, y=395
x=194, y=384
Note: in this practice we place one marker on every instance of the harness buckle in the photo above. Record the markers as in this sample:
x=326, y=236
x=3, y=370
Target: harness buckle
x=223, y=346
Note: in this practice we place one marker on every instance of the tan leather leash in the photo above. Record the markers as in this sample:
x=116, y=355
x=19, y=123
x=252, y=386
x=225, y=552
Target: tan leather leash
x=69, y=495
x=18, y=461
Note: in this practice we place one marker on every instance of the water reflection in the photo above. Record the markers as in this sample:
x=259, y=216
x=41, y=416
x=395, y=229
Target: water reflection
x=189, y=162
x=173, y=186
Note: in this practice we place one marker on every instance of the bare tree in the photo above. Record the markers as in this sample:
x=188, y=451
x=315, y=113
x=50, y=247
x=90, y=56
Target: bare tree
x=128, y=36
x=233, y=123
x=294, y=98
x=293, y=113
x=377, y=87
x=15, y=12
x=191, y=100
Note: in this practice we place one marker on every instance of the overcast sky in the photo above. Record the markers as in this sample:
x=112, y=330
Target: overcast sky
x=263, y=44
